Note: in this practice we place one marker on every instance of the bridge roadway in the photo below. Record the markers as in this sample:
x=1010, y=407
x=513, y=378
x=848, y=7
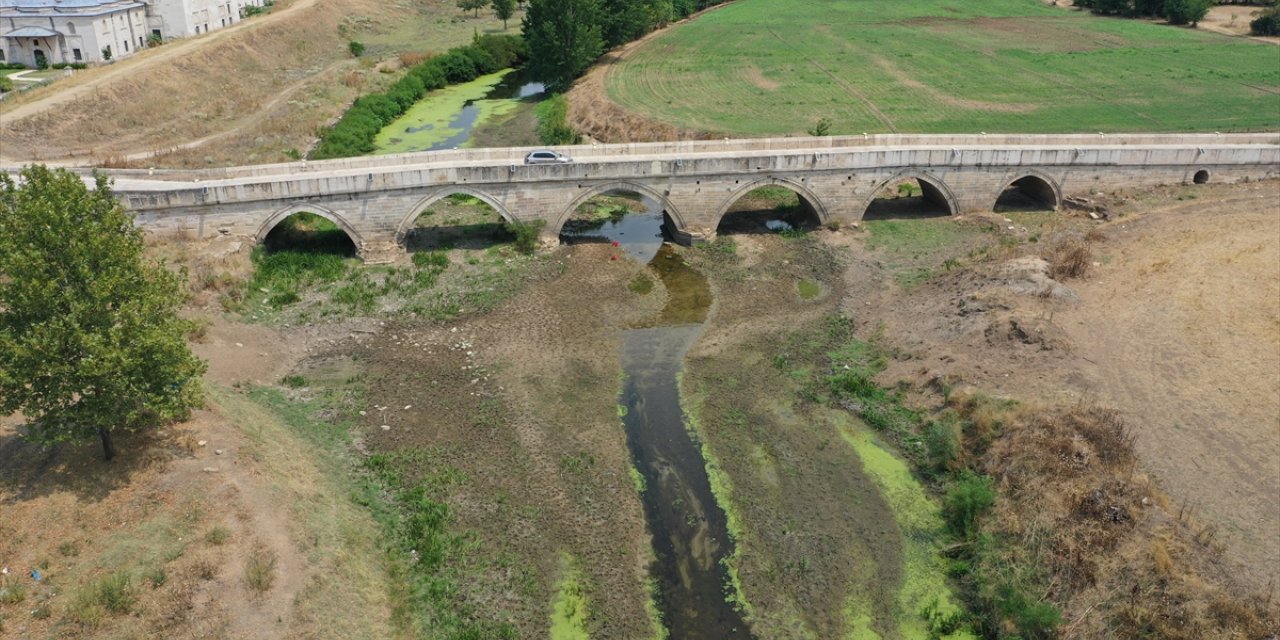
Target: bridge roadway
x=376, y=199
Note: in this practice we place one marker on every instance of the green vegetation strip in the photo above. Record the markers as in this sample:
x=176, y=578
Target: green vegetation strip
x=423, y=553
x=772, y=67
x=354, y=134
x=570, y=608
x=925, y=596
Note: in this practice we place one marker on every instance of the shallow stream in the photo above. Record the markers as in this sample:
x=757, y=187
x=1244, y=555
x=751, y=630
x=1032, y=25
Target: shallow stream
x=690, y=534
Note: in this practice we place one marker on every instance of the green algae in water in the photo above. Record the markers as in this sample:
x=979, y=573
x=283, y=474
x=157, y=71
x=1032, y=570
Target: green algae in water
x=925, y=599
x=436, y=119
x=569, y=610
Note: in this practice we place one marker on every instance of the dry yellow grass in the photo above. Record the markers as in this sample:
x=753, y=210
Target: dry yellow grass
x=252, y=93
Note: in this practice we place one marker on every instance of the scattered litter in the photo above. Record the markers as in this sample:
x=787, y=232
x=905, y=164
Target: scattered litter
x=386, y=427
x=239, y=344
x=210, y=469
x=217, y=452
x=777, y=225
x=407, y=407
x=364, y=413
x=203, y=442
x=35, y=575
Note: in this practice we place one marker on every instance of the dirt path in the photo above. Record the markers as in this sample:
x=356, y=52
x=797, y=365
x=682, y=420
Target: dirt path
x=86, y=82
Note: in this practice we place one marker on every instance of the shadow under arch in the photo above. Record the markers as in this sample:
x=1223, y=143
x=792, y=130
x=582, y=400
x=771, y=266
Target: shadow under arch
x=932, y=189
x=1030, y=188
x=407, y=223
x=668, y=209
x=808, y=199
x=302, y=207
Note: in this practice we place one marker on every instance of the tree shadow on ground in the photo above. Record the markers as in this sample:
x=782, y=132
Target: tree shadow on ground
x=29, y=470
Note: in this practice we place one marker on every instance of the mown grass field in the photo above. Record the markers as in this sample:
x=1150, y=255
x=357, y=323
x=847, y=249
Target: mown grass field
x=772, y=67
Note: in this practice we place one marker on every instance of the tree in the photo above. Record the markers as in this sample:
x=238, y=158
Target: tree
x=622, y=21
x=563, y=37
x=1186, y=11
x=90, y=339
x=1267, y=24
x=470, y=5
x=504, y=9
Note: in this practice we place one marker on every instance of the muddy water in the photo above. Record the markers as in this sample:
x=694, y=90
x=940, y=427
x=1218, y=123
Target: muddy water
x=689, y=529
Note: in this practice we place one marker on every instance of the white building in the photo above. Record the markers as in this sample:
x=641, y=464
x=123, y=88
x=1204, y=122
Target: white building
x=45, y=32
x=181, y=18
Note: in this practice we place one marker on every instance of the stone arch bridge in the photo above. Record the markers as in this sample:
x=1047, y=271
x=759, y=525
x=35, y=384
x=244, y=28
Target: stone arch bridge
x=376, y=199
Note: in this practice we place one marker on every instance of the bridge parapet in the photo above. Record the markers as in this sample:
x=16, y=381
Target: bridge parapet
x=694, y=181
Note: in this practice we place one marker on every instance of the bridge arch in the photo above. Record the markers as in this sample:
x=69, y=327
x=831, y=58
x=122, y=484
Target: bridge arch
x=807, y=197
x=1035, y=185
x=407, y=223
x=603, y=188
x=932, y=188
x=305, y=207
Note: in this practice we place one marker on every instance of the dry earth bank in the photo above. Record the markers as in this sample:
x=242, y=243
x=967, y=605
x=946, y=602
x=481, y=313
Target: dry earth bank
x=250, y=93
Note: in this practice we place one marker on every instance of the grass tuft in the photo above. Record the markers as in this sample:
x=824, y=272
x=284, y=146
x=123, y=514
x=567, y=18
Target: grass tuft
x=260, y=570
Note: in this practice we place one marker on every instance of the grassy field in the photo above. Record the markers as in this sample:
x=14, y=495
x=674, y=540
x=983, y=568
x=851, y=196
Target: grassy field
x=777, y=67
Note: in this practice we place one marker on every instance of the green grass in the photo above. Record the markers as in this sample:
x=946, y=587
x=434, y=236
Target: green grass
x=808, y=289
x=772, y=67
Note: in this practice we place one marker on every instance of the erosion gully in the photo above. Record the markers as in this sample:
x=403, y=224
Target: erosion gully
x=690, y=533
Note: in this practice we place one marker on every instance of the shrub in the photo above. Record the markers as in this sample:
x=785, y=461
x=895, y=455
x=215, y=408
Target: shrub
x=6, y=85
x=1267, y=24
x=260, y=570
x=430, y=259
x=526, y=234
x=967, y=499
x=1186, y=11
x=356, y=48
x=1070, y=258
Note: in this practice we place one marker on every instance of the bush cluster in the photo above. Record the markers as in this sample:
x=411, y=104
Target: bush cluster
x=1175, y=11
x=1267, y=24
x=353, y=135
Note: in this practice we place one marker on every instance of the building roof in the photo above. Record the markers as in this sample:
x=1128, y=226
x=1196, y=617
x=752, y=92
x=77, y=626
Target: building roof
x=53, y=4
x=31, y=32
x=56, y=8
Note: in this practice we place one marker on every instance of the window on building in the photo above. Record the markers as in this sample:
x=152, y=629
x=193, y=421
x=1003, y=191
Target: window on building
x=1, y=55
x=197, y=29
x=126, y=46
x=71, y=28
x=75, y=53
x=141, y=42
x=155, y=33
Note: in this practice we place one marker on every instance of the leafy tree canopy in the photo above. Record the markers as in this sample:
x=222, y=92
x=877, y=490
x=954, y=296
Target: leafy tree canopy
x=563, y=37
x=90, y=339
